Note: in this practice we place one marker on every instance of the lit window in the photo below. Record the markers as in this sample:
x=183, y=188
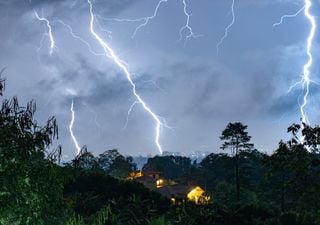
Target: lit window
x=159, y=183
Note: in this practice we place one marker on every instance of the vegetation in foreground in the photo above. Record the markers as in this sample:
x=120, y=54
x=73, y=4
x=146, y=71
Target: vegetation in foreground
x=247, y=186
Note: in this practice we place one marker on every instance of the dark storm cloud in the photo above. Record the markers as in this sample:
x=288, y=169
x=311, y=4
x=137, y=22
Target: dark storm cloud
x=198, y=91
x=261, y=92
x=289, y=103
x=103, y=7
x=285, y=104
x=204, y=83
x=217, y=91
x=102, y=90
x=98, y=88
x=105, y=92
x=111, y=7
x=44, y=2
x=62, y=7
x=194, y=88
x=272, y=2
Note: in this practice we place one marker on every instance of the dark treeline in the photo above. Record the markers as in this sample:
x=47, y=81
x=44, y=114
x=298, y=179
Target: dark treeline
x=246, y=186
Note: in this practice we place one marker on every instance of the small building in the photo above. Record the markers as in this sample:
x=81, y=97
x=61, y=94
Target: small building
x=197, y=195
x=178, y=193
x=154, y=174
x=169, y=188
x=150, y=179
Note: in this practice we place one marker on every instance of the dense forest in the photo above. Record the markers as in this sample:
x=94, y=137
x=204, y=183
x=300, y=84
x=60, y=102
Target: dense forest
x=245, y=186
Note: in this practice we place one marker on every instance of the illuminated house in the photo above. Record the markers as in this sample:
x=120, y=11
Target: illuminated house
x=197, y=195
x=151, y=179
x=135, y=175
x=170, y=189
x=178, y=193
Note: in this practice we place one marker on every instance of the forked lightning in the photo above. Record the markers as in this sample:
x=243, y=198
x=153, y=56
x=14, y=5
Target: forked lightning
x=110, y=53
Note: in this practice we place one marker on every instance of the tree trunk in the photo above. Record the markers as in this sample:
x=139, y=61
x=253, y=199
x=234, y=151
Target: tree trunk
x=237, y=178
x=282, y=193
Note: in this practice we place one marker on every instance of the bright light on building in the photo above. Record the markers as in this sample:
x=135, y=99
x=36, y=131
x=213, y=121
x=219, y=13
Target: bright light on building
x=197, y=195
x=160, y=183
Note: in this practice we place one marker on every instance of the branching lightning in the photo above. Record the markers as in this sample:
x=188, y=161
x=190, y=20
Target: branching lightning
x=288, y=16
x=226, y=31
x=52, y=42
x=147, y=19
x=155, y=85
x=307, y=66
x=71, y=129
x=185, y=32
x=129, y=113
x=136, y=103
x=80, y=39
x=305, y=80
x=52, y=46
x=109, y=52
x=144, y=21
x=186, y=27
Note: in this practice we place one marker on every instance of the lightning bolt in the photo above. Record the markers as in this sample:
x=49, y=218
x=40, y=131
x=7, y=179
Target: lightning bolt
x=80, y=39
x=147, y=19
x=71, y=129
x=129, y=113
x=288, y=16
x=155, y=85
x=305, y=80
x=144, y=21
x=136, y=102
x=307, y=66
x=187, y=28
x=110, y=53
x=226, y=31
x=52, y=46
x=52, y=42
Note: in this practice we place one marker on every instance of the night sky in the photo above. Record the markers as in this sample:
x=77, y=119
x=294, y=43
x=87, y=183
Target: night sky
x=197, y=91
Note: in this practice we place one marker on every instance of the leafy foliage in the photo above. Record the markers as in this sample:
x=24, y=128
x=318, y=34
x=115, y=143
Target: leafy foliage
x=236, y=138
x=172, y=167
x=30, y=189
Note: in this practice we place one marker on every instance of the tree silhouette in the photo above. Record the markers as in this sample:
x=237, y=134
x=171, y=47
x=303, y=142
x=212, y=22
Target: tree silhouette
x=30, y=189
x=279, y=171
x=236, y=139
x=2, y=82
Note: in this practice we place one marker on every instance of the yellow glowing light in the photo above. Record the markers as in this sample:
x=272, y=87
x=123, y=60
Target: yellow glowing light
x=195, y=194
x=160, y=183
x=134, y=175
x=198, y=196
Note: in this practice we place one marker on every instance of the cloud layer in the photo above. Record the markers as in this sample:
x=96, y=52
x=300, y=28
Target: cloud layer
x=197, y=92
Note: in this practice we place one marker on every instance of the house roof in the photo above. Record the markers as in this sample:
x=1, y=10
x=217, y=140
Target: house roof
x=146, y=179
x=148, y=172
x=177, y=190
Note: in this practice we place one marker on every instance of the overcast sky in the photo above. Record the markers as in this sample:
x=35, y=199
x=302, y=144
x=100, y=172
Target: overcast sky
x=197, y=91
